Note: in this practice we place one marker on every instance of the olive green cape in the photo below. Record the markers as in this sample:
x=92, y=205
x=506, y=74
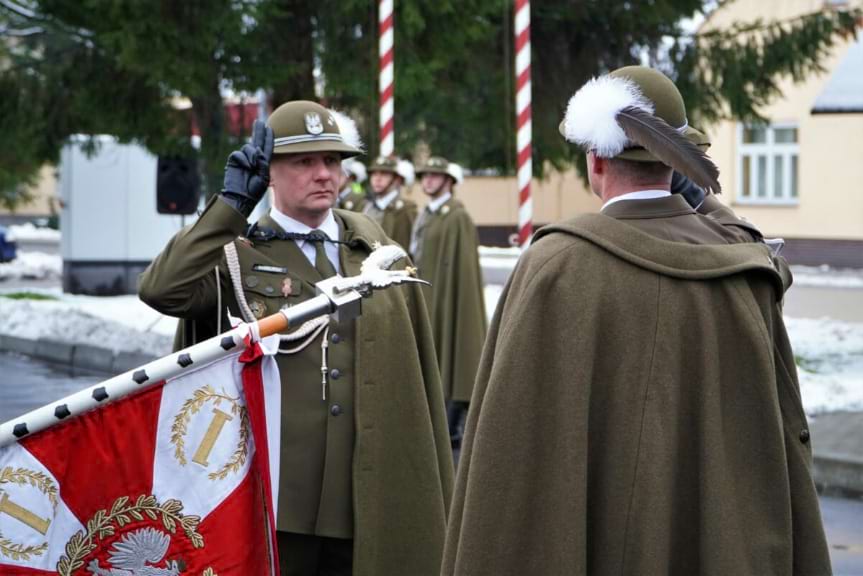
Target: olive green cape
x=637, y=411
x=450, y=261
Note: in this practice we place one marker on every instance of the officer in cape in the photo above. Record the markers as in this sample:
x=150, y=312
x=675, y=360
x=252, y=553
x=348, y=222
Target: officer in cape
x=444, y=246
x=637, y=409
x=365, y=461
x=387, y=205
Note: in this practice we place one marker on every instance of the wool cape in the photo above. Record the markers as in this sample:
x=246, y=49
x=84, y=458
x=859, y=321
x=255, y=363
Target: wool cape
x=398, y=220
x=450, y=262
x=637, y=411
x=402, y=460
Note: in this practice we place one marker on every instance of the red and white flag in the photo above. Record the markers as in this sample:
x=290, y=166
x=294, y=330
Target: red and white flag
x=178, y=479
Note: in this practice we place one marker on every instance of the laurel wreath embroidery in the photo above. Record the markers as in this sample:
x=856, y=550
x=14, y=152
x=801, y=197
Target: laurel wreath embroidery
x=193, y=405
x=44, y=484
x=102, y=524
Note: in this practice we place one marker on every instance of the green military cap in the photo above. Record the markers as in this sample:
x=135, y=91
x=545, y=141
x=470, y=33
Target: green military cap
x=590, y=120
x=303, y=126
x=434, y=165
x=387, y=164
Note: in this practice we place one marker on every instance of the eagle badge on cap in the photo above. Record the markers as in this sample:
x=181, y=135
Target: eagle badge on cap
x=314, y=125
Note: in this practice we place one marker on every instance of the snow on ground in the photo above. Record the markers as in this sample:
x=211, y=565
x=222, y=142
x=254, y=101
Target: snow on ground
x=29, y=233
x=829, y=356
x=35, y=265
x=117, y=322
x=825, y=276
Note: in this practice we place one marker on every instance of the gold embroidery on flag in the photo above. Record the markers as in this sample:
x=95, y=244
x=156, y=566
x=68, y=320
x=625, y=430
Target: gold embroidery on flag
x=216, y=424
x=43, y=483
x=193, y=406
x=105, y=523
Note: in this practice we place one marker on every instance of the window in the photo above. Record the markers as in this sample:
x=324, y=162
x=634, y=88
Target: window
x=767, y=164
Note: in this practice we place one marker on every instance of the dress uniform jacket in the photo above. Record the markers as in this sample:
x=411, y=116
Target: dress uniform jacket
x=637, y=409
x=448, y=258
x=372, y=460
x=397, y=219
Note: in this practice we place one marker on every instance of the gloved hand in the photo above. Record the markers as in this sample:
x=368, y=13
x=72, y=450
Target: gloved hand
x=247, y=173
x=682, y=185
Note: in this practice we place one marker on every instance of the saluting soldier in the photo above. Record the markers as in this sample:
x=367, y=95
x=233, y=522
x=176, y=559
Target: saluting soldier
x=366, y=466
x=444, y=247
x=637, y=410
x=387, y=206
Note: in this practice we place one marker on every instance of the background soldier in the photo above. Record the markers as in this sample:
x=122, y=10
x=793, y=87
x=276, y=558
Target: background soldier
x=362, y=484
x=387, y=206
x=444, y=247
x=353, y=194
x=637, y=410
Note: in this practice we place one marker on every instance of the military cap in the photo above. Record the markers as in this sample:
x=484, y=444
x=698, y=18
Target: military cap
x=637, y=113
x=640, y=86
x=303, y=126
x=434, y=165
x=388, y=164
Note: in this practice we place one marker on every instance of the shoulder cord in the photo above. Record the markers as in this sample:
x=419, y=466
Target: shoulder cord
x=306, y=333
x=218, y=301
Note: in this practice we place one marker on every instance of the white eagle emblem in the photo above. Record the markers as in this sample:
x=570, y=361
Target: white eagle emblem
x=136, y=554
x=313, y=123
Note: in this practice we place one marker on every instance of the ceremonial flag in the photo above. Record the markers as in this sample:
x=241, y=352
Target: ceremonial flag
x=177, y=479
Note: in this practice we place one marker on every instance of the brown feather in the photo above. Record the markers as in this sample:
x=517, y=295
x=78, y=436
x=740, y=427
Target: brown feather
x=670, y=147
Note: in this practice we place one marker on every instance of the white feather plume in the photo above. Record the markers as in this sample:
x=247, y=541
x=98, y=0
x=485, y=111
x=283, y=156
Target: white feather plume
x=382, y=258
x=456, y=171
x=591, y=116
x=348, y=129
x=405, y=169
x=355, y=167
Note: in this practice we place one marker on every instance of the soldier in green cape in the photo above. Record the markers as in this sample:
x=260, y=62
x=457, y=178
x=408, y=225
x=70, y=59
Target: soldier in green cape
x=387, y=206
x=365, y=462
x=444, y=247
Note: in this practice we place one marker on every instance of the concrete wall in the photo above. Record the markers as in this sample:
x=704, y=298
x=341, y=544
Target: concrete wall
x=44, y=196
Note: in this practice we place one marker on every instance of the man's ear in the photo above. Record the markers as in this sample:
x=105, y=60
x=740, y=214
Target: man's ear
x=595, y=164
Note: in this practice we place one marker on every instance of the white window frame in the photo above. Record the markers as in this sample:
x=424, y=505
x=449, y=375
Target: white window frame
x=770, y=150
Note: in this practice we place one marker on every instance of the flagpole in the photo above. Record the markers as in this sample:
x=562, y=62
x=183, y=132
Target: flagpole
x=338, y=297
x=524, y=135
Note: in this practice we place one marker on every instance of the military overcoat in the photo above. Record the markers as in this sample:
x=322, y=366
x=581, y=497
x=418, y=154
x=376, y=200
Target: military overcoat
x=637, y=411
x=398, y=219
x=450, y=261
x=395, y=469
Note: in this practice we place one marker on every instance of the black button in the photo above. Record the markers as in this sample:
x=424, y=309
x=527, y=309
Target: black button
x=335, y=373
x=804, y=435
x=335, y=409
x=336, y=338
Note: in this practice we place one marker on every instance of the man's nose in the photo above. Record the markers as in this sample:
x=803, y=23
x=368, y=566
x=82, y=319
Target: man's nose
x=322, y=171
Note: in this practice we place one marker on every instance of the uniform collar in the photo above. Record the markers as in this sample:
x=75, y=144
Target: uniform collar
x=637, y=195
x=387, y=199
x=329, y=226
x=435, y=204
x=662, y=207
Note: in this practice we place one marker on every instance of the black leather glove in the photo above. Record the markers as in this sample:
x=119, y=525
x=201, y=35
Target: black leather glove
x=247, y=173
x=682, y=185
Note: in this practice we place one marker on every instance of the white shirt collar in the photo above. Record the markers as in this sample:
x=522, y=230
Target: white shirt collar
x=329, y=226
x=637, y=195
x=435, y=204
x=382, y=203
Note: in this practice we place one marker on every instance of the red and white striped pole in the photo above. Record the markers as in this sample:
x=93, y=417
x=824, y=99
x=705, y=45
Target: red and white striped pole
x=387, y=77
x=523, y=121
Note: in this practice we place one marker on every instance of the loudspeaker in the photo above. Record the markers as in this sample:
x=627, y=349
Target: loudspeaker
x=178, y=185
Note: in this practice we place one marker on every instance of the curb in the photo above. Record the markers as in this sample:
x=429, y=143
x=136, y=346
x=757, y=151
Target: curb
x=76, y=356
x=838, y=473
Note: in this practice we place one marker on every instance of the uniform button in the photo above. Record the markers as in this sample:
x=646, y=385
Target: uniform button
x=336, y=338
x=269, y=289
x=804, y=436
x=335, y=409
x=335, y=373
x=251, y=281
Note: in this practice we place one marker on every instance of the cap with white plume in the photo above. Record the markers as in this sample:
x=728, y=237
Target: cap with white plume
x=637, y=113
x=355, y=168
x=456, y=171
x=348, y=129
x=405, y=169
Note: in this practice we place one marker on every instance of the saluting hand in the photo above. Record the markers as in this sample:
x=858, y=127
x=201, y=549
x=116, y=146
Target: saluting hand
x=247, y=173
